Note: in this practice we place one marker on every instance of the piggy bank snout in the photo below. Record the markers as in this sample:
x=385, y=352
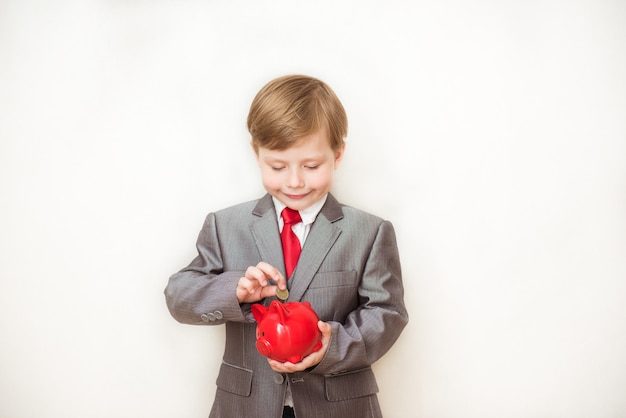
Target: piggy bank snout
x=264, y=347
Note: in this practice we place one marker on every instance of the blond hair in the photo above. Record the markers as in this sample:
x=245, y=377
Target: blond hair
x=293, y=106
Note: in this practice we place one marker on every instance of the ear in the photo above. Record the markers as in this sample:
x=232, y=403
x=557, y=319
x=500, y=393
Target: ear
x=339, y=155
x=280, y=309
x=258, y=311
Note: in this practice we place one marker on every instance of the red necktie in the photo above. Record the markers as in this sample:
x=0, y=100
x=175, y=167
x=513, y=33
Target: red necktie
x=291, y=243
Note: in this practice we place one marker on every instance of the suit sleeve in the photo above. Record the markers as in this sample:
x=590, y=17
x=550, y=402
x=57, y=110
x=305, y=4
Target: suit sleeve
x=369, y=331
x=203, y=293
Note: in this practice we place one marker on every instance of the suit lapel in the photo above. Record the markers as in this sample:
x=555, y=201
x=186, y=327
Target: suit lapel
x=264, y=229
x=321, y=238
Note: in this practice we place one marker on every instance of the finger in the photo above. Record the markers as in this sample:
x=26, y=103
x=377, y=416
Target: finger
x=268, y=291
x=245, y=290
x=281, y=282
x=285, y=367
x=245, y=284
x=256, y=274
x=273, y=273
x=246, y=287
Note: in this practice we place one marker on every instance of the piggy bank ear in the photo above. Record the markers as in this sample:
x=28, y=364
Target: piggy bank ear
x=259, y=311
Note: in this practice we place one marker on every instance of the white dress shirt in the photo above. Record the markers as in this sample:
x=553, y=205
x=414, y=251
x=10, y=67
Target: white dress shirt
x=308, y=215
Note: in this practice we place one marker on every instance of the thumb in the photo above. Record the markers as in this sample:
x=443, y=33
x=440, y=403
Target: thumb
x=324, y=327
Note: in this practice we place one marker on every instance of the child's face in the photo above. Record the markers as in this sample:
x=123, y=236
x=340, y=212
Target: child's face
x=300, y=175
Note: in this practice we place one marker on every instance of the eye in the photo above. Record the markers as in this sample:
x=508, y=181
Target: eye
x=277, y=168
x=311, y=167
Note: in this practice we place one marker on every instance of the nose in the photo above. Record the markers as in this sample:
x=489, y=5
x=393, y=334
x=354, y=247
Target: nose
x=295, y=179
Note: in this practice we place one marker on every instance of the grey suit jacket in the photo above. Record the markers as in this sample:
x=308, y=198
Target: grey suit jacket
x=349, y=270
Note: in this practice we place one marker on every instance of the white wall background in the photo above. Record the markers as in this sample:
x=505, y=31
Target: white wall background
x=492, y=133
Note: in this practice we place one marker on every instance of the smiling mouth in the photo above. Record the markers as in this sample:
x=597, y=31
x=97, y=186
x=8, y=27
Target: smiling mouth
x=295, y=196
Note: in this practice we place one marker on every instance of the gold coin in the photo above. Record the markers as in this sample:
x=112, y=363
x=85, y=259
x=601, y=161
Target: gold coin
x=282, y=294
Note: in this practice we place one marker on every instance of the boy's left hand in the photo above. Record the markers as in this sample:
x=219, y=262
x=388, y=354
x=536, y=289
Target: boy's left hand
x=309, y=361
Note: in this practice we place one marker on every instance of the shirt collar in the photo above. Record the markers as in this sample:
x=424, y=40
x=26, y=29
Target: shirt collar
x=308, y=215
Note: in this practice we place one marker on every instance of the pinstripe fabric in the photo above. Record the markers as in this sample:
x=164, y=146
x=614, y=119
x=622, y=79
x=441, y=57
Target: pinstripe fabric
x=349, y=270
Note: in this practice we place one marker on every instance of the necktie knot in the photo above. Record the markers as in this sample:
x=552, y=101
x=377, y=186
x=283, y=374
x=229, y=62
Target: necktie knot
x=290, y=216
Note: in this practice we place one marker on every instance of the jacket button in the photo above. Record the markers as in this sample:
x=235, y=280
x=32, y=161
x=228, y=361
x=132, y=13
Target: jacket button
x=279, y=379
x=218, y=315
x=204, y=317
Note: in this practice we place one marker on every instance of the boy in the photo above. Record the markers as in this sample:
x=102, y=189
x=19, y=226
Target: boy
x=348, y=268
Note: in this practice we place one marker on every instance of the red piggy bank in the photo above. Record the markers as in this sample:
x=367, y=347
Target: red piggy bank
x=286, y=331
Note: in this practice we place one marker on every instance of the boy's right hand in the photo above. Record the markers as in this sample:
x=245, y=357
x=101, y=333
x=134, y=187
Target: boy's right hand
x=255, y=285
